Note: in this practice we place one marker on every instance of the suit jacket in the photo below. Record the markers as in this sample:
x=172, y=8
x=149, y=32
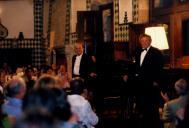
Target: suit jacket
x=85, y=66
x=152, y=65
x=147, y=95
x=171, y=109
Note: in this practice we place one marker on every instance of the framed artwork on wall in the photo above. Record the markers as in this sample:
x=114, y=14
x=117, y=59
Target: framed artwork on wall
x=107, y=22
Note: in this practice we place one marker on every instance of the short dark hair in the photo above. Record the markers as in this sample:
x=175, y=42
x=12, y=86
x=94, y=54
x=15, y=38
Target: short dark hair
x=39, y=98
x=62, y=110
x=77, y=85
x=37, y=119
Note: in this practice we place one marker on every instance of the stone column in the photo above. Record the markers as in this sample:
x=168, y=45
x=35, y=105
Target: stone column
x=69, y=52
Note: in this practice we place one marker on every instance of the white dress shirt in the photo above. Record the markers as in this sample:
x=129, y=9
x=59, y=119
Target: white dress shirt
x=142, y=55
x=77, y=65
x=82, y=108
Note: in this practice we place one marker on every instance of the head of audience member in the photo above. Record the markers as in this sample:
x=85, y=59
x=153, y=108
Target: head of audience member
x=53, y=66
x=20, y=71
x=46, y=81
x=41, y=99
x=79, y=47
x=6, y=68
x=62, y=109
x=44, y=69
x=62, y=69
x=29, y=72
x=145, y=40
x=77, y=86
x=181, y=87
x=35, y=119
x=16, y=87
x=50, y=71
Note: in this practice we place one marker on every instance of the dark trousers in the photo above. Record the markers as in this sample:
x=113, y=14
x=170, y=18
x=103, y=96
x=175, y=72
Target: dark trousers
x=147, y=104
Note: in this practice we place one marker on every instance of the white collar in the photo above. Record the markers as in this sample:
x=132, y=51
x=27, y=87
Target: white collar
x=79, y=55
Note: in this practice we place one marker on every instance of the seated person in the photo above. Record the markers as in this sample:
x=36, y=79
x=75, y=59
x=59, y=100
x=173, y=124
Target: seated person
x=16, y=89
x=79, y=105
x=173, y=111
x=63, y=77
x=44, y=103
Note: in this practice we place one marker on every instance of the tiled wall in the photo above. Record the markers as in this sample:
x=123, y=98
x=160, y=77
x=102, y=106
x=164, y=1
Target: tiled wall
x=67, y=29
x=121, y=32
x=135, y=11
x=35, y=44
x=88, y=5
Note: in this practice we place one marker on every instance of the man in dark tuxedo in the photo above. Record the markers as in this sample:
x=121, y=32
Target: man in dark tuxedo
x=149, y=64
x=81, y=63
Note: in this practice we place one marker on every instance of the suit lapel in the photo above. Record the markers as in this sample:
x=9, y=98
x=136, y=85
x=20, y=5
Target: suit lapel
x=73, y=62
x=147, y=57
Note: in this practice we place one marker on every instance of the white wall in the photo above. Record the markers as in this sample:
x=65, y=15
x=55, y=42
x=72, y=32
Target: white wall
x=17, y=16
x=76, y=5
x=125, y=6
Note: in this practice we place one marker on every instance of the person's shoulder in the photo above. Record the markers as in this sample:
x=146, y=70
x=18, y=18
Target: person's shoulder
x=155, y=49
x=85, y=55
x=173, y=102
x=74, y=56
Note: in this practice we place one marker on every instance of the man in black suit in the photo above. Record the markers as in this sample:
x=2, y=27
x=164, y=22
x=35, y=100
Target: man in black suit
x=149, y=63
x=82, y=63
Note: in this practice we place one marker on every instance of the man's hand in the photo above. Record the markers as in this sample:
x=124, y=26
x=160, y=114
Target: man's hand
x=164, y=96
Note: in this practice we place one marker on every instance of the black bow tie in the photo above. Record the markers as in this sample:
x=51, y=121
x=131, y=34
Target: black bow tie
x=144, y=49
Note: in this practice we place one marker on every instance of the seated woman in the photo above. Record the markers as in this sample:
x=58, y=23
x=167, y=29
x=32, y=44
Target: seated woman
x=173, y=111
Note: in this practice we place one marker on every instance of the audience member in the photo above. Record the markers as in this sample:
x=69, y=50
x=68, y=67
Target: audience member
x=39, y=99
x=35, y=119
x=63, y=77
x=79, y=105
x=173, y=111
x=29, y=78
x=15, y=91
x=185, y=122
x=62, y=111
x=53, y=102
x=4, y=121
x=46, y=81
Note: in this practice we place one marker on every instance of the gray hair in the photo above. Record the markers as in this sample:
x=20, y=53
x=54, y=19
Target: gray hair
x=14, y=86
x=181, y=86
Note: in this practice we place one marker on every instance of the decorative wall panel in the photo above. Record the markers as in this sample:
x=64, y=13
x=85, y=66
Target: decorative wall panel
x=67, y=29
x=121, y=32
x=34, y=44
